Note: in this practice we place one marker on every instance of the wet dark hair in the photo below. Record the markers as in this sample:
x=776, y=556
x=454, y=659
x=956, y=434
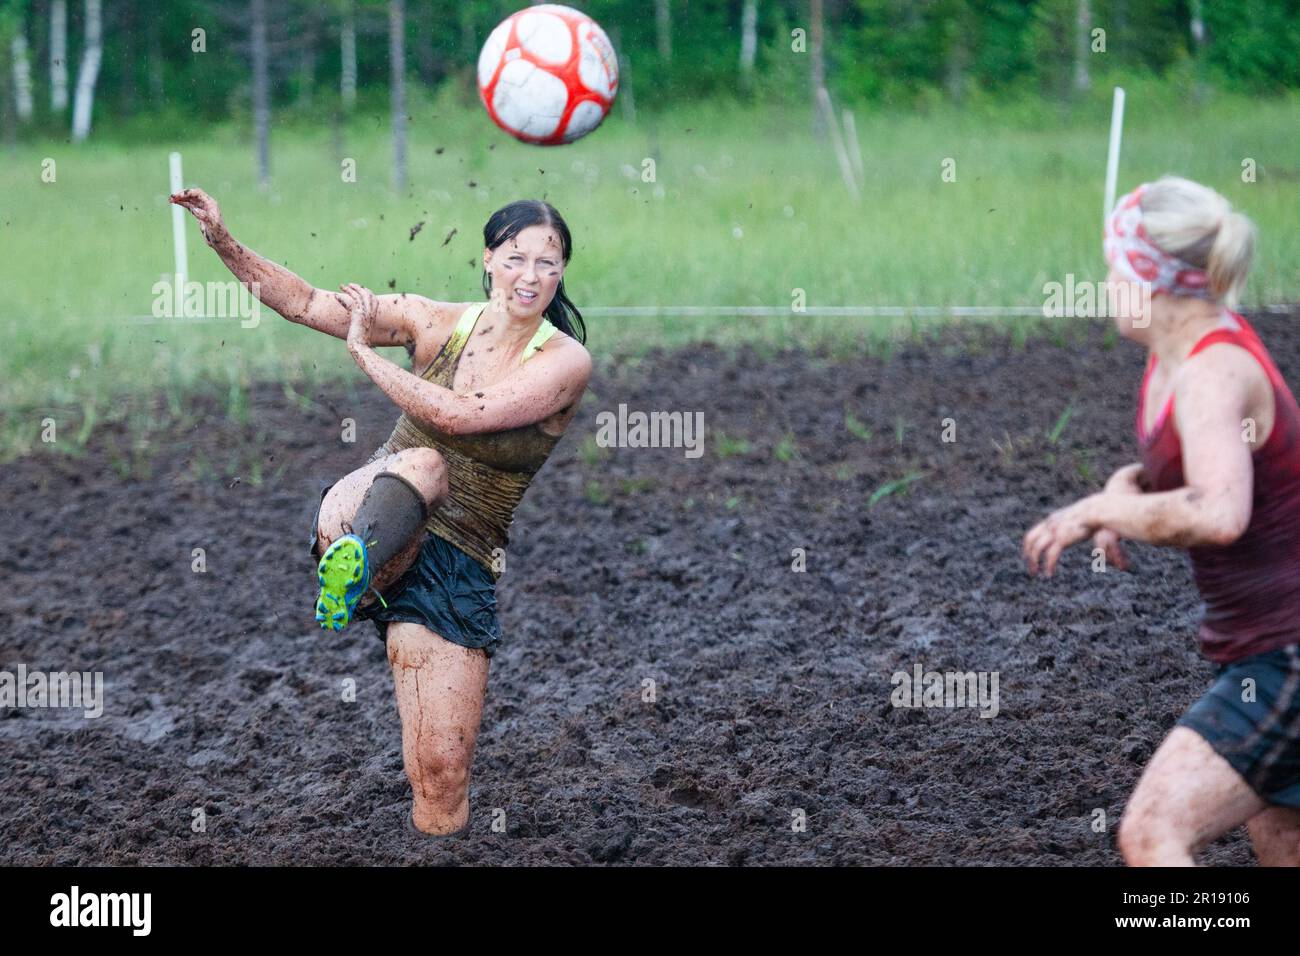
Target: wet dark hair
x=506, y=223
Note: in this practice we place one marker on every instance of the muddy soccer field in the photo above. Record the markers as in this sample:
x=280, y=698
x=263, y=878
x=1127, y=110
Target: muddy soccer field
x=772, y=688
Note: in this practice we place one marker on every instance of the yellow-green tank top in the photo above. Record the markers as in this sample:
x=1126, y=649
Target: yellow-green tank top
x=487, y=474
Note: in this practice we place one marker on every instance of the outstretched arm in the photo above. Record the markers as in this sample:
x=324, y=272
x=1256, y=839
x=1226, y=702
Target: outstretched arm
x=550, y=381
x=1214, y=505
x=398, y=318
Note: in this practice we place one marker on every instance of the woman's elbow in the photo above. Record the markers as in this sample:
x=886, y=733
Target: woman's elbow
x=448, y=424
x=1226, y=529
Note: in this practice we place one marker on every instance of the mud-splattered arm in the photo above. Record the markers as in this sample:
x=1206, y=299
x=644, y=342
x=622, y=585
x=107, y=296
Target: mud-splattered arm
x=1213, y=508
x=397, y=318
x=548, y=382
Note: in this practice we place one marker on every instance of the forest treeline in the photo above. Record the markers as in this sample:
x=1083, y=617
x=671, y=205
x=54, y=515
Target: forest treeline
x=114, y=59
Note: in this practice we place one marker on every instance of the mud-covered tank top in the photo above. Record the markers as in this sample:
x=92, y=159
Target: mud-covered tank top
x=487, y=474
x=1251, y=587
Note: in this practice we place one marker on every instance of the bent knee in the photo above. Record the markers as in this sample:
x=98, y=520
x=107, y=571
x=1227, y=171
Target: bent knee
x=1144, y=839
x=443, y=773
x=424, y=468
x=1132, y=840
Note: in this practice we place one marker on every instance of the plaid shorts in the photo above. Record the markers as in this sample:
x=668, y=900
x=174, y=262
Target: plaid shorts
x=1251, y=717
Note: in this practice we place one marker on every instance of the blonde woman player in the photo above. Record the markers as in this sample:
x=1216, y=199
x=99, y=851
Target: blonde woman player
x=1219, y=475
x=413, y=539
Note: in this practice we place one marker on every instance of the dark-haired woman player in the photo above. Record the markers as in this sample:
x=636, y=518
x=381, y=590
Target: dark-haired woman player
x=1219, y=435
x=498, y=383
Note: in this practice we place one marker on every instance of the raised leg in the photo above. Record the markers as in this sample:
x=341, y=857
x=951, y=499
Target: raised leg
x=423, y=467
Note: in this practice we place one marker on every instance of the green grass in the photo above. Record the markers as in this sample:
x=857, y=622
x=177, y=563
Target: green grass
x=725, y=446
x=596, y=493
x=745, y=210
x=855, y=427
x=1057, y=430
x=897, y=486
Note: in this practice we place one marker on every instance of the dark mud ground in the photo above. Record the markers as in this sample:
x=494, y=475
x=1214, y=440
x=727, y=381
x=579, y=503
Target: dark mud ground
x=773, y=687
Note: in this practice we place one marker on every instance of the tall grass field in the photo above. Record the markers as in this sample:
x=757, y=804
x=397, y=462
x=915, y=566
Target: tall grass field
x=710, y=205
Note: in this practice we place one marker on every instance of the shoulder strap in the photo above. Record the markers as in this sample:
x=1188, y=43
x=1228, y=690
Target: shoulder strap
x=540, y=338
x=442, y=370
x=467, y=320
x=1244, y=337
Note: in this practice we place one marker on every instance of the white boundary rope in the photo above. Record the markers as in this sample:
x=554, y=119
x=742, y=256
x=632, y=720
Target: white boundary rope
x=751, y=311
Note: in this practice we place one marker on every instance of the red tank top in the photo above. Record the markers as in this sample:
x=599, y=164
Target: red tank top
x=1251, y=587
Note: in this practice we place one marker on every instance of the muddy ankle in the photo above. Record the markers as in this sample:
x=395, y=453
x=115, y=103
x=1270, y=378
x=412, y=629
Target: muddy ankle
x=435, y=827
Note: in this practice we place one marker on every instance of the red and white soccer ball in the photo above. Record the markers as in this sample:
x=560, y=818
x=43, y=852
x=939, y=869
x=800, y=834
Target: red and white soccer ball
x=548, y=74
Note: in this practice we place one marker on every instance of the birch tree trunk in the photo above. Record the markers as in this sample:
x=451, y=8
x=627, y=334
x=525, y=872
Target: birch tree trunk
x=348, y=52
x=58, y=55
x=1198, y=48
x=818, y=66
x=1083, y=25
x=8, y=125
x=664, y=29
x=958, y=59
x=22, y=75
x=748, y=42
x=261, y=93
x=83, y=103
x=397, y=87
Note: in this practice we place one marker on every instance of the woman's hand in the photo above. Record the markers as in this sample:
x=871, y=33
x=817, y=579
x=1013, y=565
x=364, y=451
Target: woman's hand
x=1108, y=542
x=1047, y=539
x=1129, y=480
x=206, y=211
x=362, y=309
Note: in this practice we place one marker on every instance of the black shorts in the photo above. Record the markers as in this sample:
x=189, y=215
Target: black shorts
x=1260, y=737
x=444, y=589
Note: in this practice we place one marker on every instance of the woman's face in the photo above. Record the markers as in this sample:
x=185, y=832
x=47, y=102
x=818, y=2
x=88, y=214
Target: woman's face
x=526, y=271
x=1129, y=304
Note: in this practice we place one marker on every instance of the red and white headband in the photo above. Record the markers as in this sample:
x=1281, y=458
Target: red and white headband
x=1130, y=251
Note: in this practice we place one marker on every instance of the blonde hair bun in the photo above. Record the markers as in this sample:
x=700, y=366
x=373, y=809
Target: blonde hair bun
x=1199, y=226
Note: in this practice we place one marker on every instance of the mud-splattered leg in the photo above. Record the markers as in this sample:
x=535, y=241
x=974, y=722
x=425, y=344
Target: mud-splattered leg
x=423, y=467
x=440, y=688
x=1187, y=797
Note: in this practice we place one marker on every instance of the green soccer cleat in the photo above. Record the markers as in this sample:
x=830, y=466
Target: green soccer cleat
x=344, y=575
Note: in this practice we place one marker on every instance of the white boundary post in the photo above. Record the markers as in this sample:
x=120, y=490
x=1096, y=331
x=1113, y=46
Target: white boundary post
x=178, y=228
x=1112, y=157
